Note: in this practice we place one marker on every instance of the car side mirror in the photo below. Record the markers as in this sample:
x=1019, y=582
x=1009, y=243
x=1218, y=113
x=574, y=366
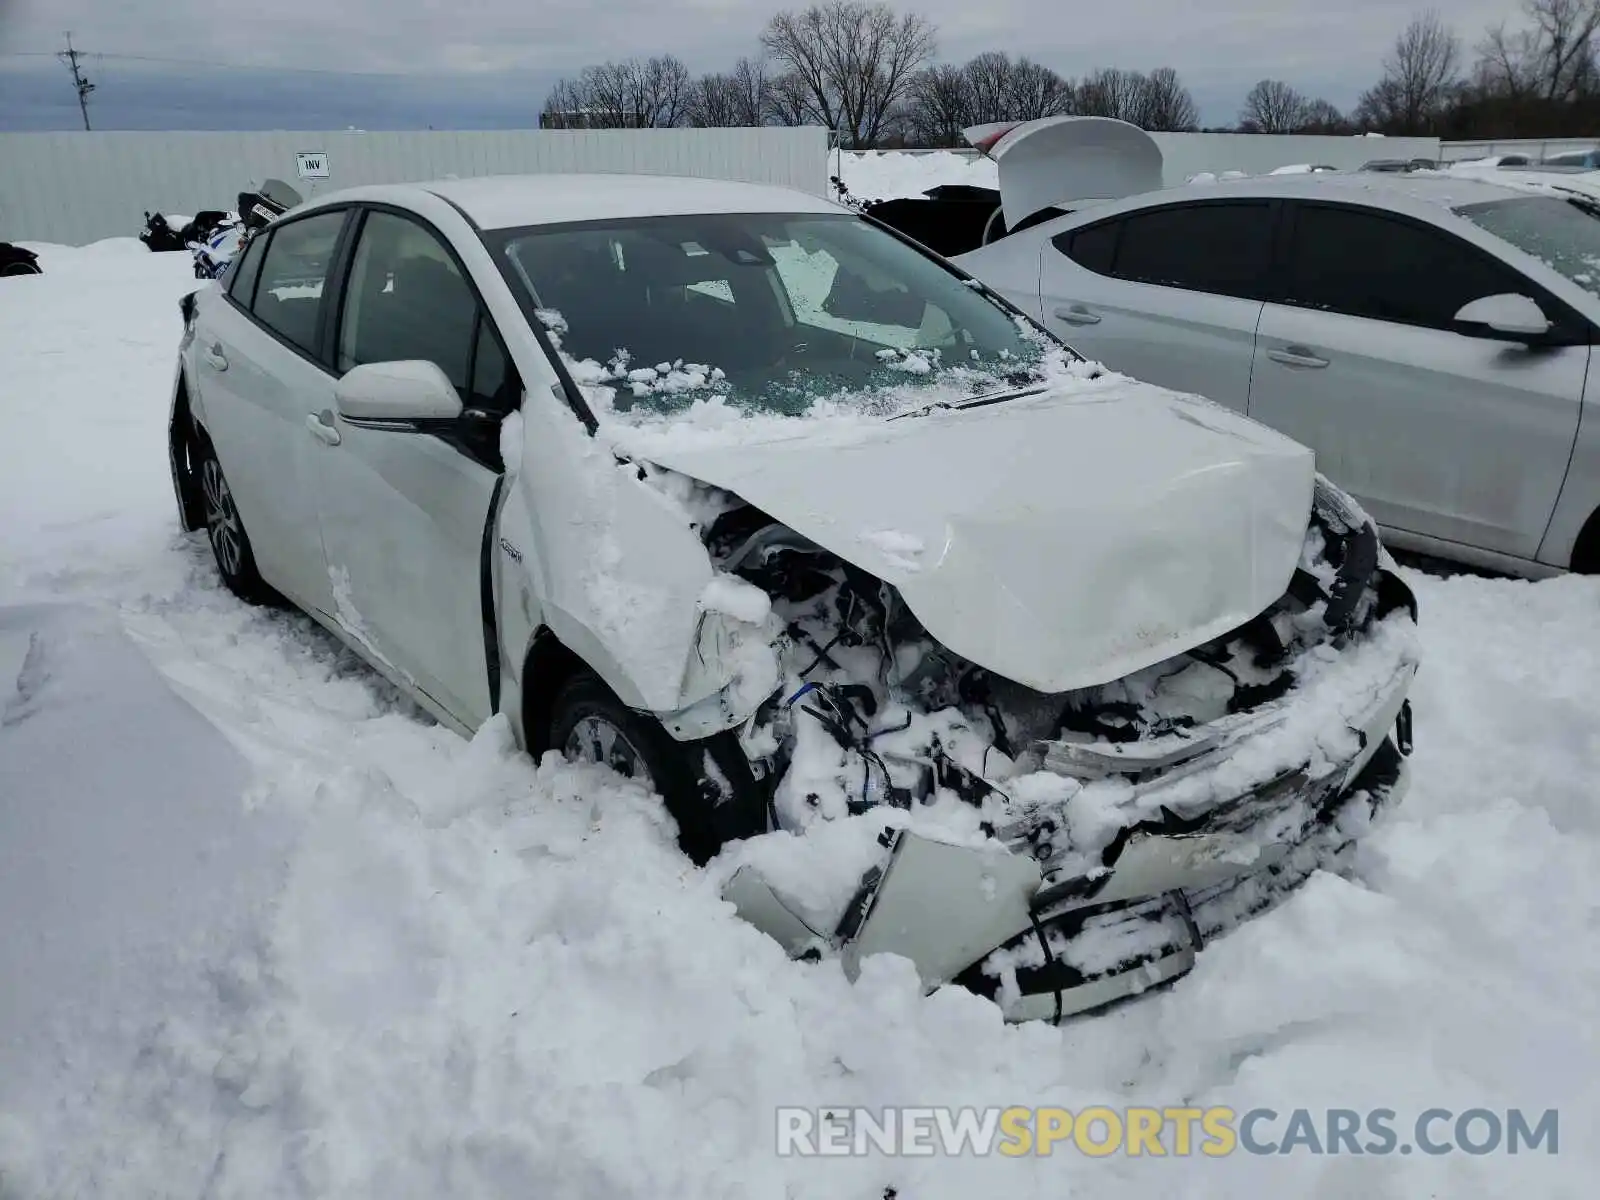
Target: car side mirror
x=404, y=390
x=1506, y=315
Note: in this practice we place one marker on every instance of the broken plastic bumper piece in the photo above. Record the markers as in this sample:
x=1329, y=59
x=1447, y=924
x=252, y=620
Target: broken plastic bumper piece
x=988, y=918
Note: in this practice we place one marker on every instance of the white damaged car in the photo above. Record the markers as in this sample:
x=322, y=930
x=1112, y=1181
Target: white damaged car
x=1057, y=673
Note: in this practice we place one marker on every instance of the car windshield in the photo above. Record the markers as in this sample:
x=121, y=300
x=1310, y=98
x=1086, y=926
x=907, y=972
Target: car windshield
x=771, y=313
x=1564, y=234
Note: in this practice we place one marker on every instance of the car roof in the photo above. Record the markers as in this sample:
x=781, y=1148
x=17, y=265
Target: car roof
x=511, y=201
x=1412, y=190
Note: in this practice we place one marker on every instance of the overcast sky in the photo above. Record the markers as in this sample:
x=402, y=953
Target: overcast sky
x=379, y=64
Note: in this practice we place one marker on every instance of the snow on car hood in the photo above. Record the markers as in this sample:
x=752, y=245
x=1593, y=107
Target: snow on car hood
x=1061, y=540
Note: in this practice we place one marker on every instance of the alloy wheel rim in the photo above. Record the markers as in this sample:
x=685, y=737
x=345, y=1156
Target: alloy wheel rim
x=596, y=740
x=222, y=519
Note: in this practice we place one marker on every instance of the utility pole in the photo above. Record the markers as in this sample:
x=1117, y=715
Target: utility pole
x=71, y=57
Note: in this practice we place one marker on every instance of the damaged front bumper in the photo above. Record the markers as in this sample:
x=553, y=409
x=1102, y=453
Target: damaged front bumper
x=1045, y=940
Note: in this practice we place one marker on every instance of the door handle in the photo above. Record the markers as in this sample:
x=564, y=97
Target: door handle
x=1077, y=314
x=215, y=358
x=322, y=428
x=1297, y=356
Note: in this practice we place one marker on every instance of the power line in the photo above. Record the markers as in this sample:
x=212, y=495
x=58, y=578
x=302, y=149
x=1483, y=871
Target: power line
x=79, y=80
x=213, y=63
x=217, y=64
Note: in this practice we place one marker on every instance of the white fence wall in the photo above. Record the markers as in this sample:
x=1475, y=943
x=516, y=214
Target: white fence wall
x=1534, y=148
x=79, y=187
x=1187, y=154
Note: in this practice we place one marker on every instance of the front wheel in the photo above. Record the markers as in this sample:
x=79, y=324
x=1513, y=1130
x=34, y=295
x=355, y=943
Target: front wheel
x=589, y=724
x=20, y=268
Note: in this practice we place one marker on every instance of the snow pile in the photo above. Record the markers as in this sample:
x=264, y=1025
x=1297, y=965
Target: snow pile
x=70, y=677
x=476, y=977
x=891, y=174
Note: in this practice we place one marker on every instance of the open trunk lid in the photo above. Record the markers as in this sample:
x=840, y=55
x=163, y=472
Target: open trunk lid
x=1055, y=160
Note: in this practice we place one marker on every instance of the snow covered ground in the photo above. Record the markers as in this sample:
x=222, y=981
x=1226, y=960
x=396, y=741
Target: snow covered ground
x=345, y=953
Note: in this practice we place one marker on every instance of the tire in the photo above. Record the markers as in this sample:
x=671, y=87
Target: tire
x=15, y=269
x=230, y=544
x=589, y=724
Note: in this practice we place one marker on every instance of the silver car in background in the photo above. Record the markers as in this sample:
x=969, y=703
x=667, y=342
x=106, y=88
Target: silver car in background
x=1428, y=336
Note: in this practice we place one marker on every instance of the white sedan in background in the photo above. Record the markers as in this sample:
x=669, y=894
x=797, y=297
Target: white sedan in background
x=783, y=517
x=1429, y=337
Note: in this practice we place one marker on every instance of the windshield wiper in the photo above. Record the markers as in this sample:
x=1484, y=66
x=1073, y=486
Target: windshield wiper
x=1011, y=393
x=1583, y=204
x=924, y=410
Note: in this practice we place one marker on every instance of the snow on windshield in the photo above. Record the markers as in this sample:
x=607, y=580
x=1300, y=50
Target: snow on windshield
x=696, y=321
x=689, y=403
x=1564, y=234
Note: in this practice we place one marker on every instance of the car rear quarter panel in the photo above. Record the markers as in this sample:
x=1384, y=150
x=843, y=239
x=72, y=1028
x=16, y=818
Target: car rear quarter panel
x=1580, y=493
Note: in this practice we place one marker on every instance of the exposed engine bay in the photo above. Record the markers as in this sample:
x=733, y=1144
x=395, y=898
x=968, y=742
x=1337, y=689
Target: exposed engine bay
x=874, y=711
x=1054, y=852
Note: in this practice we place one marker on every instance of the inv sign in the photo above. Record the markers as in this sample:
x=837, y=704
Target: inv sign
x=313, y=164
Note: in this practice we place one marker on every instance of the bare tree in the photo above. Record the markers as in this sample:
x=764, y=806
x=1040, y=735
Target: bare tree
x=1506, y=64
x=1323, y=117
x=1554, y=60
x=1167, y=105
x=854, y=60
x=635, y=94
x=1272, y=106
x=1382, y=107
x=1566, y=31
x=754, y=88
x=789, y=100
x=737, y=98
x=938, y=106
x=1419, y=79
x=565, y=107
x=714, y=102
x=946, y=99
x=1001, y=88
x=1111, y=92
x=1157, y=101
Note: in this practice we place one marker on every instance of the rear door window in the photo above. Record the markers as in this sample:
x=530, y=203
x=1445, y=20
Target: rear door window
x=242, y=287
x=1224, y=249
x=1094, y=248
x=294, y=274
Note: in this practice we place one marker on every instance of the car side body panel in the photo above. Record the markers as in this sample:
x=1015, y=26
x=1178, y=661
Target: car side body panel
x=1456, y=438
x=1580, y=493
x=251, y=393
x=1515, y=500
x=1186, y=341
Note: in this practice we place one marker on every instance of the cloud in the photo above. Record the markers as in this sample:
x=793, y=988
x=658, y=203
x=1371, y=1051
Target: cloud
x=40, y=98
x=477, y=56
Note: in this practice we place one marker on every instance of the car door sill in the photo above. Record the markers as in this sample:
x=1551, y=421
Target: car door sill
x=408, y=687
x=1461, y=552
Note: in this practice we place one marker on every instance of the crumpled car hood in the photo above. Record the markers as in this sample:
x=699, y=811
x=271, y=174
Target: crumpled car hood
x=1062, y=540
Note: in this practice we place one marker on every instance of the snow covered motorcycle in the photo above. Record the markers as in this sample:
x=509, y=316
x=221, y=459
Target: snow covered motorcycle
x=159, y=235
x=14, y=260
x=215, y=247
